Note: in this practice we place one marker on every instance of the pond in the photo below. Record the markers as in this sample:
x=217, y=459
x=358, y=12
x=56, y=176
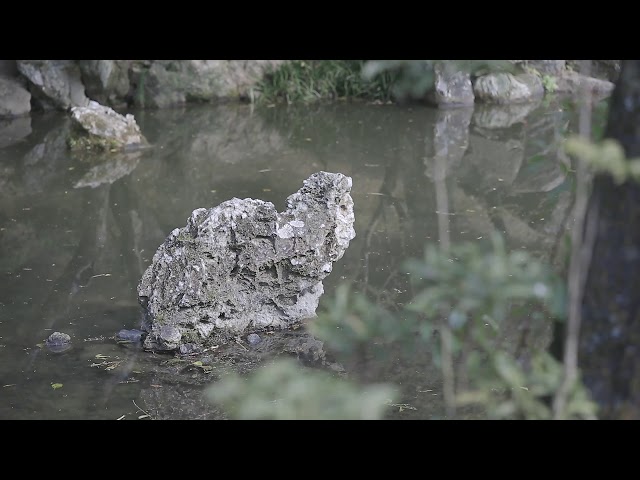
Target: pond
x=75, y=237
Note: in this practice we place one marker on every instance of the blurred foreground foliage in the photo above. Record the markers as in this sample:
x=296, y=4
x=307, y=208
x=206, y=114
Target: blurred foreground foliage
x=286, y=391
x=468, y=293
x=606, y=156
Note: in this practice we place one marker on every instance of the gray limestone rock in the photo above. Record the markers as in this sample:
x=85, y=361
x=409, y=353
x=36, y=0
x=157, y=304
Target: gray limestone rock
x=545, y=67
x=549, y=67
x=504, y=88
x=452, y=88
x=244, y=266
x=58, y=342
x=106, y=81
x=96, y=127
x=574, y=83
x=165, y=83
x=129, y=336
x=57, y=83
x=602, y=69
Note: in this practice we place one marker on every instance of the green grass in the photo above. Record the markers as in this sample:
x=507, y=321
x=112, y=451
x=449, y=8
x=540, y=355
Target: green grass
x=307, y=81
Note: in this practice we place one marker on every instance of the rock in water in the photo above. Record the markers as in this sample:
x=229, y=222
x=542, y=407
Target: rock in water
x=243, y=266
x=102, y=129
x=58, y=342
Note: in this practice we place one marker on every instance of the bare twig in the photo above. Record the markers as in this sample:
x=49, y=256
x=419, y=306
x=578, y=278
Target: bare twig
x=446, y=337
x=580, y=258
x=141, y=410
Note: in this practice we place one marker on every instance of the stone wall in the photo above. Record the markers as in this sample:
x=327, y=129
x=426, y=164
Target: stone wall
x=29, y=85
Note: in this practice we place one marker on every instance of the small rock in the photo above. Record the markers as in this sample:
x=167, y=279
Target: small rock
x=189, y=348
x=169, y=337
x=58, y=342
x=129, y=336
x=253, y=339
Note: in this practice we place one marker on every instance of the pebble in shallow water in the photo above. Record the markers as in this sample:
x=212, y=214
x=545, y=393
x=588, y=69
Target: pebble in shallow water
x=129, y=336
x=58, y=342
x=253, y=339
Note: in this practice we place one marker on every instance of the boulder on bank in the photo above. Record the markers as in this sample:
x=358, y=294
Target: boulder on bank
x=166, y=83
x=244, y=266
x=452, y=88
x=106, y=81
x=101, y=129
x=56, y=84
x=575, y=83
x=502, y=88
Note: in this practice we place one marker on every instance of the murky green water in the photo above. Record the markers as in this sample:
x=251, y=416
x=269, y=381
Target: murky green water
x=75, y=238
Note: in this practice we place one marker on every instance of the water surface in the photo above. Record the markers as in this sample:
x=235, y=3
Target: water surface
x=75, y=237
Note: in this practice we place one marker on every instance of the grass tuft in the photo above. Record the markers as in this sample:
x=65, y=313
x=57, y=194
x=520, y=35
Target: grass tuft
x=308, y=81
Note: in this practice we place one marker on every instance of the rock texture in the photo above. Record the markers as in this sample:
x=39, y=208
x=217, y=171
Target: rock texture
x=507, y=88
x=55, y=83
x=58, y=342
x=96, y=127
x=106, y=81
x=451, y=88
x=602, y=69
x=574, y=83
x=164, y=83
x=545, y=67
x=243, y=266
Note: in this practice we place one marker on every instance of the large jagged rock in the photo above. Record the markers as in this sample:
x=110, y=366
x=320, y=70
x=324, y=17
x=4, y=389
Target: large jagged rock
x=452, y=88
x=54, y=83
x=106, y=81
x=243, y=266
x=100, y=128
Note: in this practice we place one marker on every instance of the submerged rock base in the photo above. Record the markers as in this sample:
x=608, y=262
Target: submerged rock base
x=243, y=266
